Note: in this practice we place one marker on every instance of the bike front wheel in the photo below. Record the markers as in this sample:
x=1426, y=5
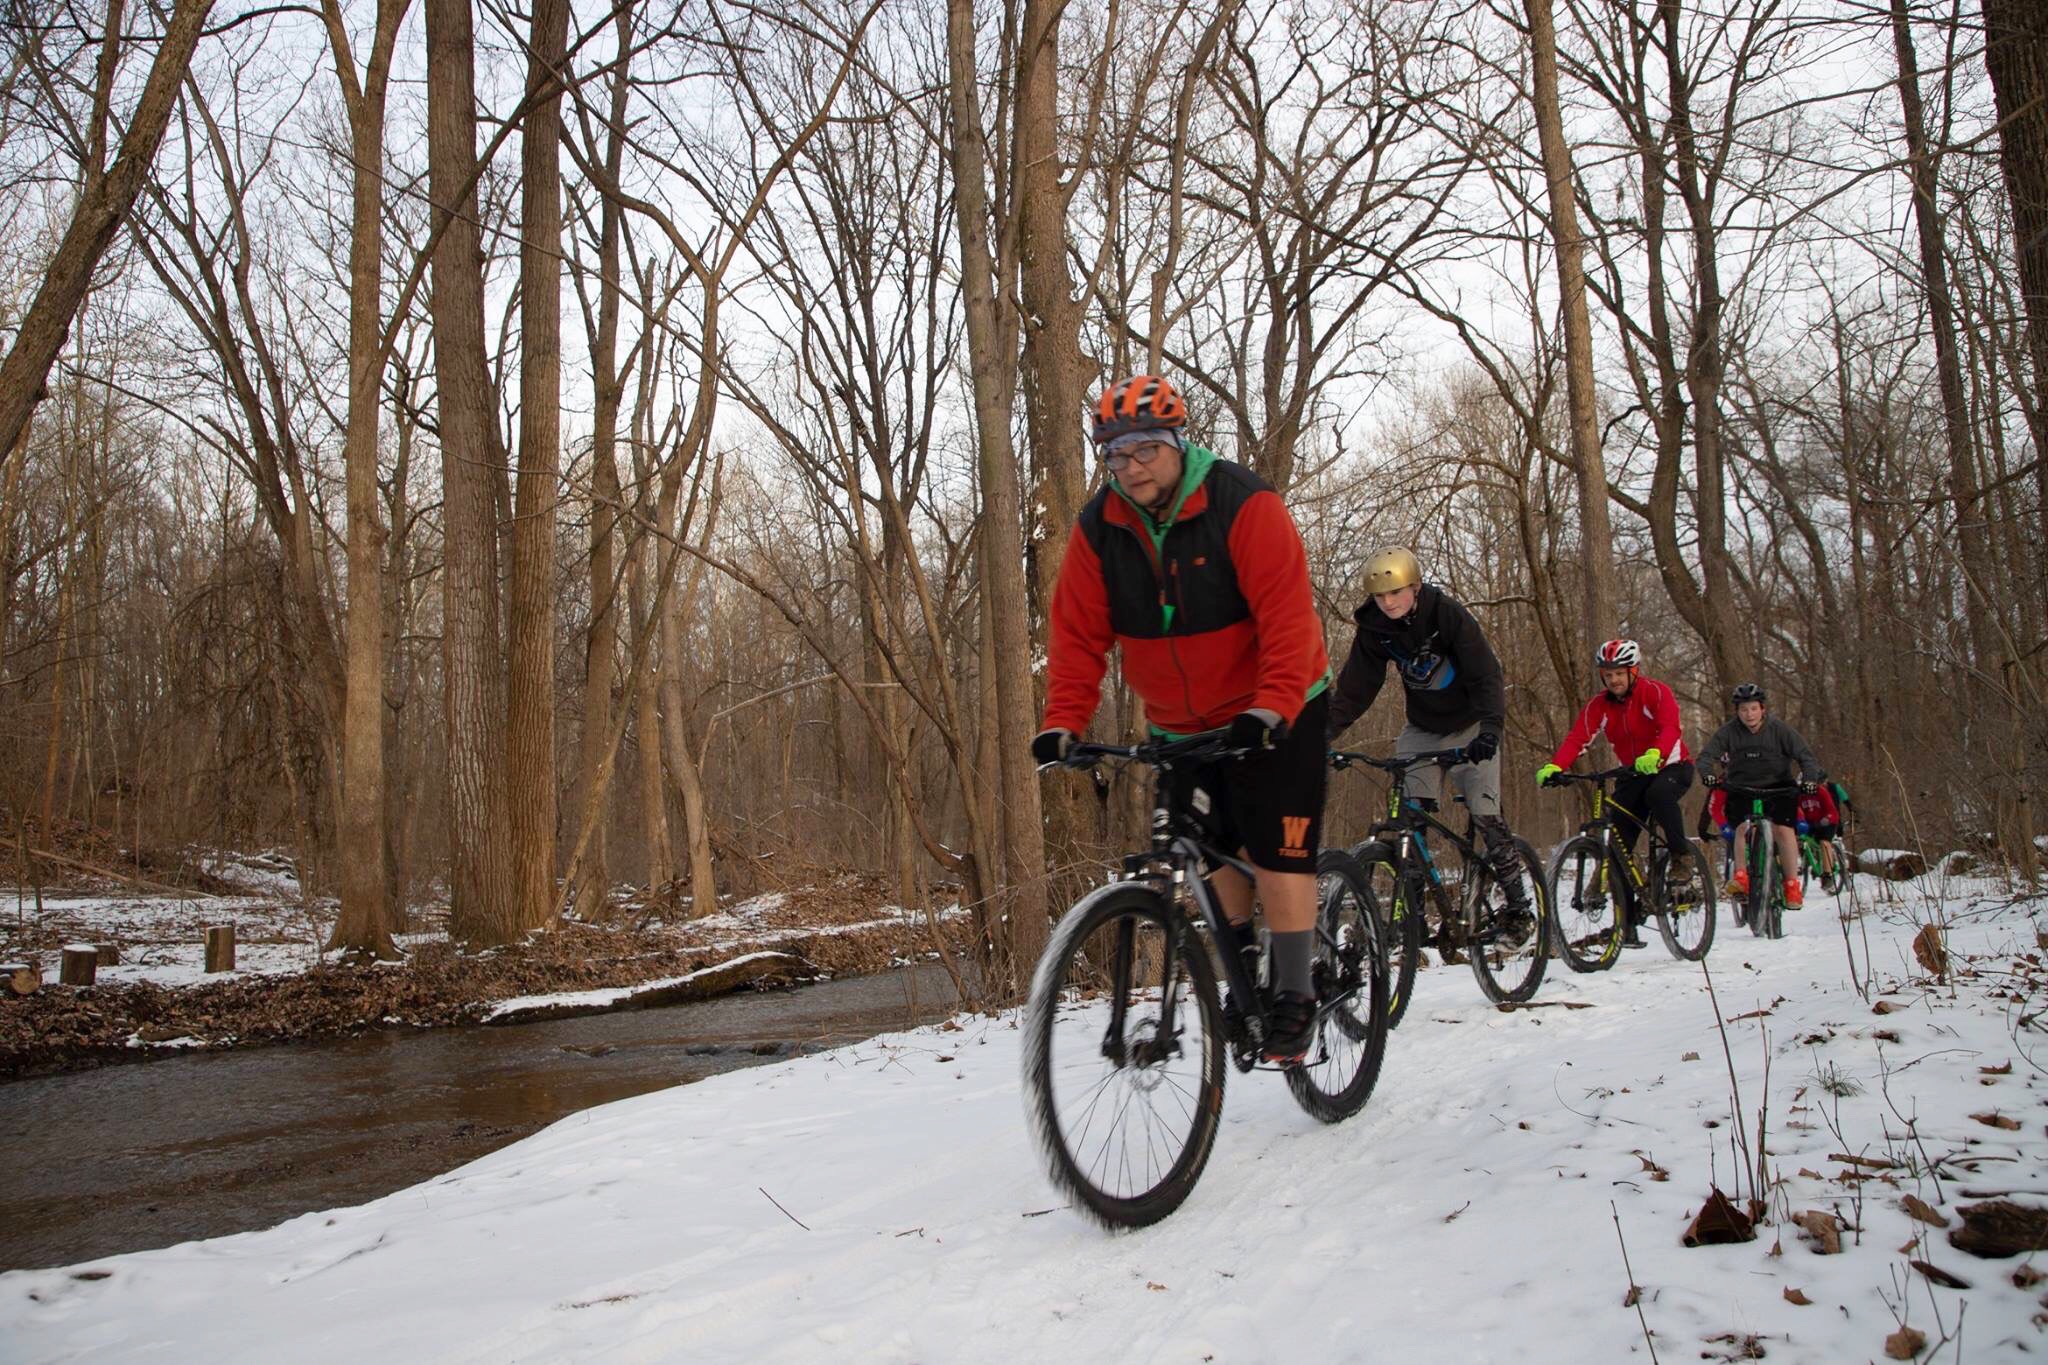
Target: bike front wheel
x=1124, y=1056
x=1510, y=944
x=1685, y=916
x=1400, y=924
x=1350, y=1042
x=1763, y=872
x=1585, y=904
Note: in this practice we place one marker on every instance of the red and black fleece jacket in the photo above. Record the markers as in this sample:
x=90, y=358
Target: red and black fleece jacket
x=1212, y=608
x=1647, y=718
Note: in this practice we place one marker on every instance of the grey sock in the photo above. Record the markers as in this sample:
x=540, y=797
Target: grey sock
x=1292, y=954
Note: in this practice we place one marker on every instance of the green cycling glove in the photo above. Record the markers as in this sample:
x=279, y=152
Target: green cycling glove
x=1651, y=760
x=1545, y=773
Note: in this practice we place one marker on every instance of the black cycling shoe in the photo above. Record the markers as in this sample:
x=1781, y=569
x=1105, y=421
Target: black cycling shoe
x=1290, y=1028
x=1633, y=938
x=1233, y=1015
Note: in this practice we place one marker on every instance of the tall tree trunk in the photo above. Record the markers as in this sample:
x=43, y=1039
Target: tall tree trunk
x=992, y=351
x=484, y=906
x=660, y=851
x=2016, y=54
x=102, y=204
x=1706, y=367
x=682, y=764
x=1596, y=538
x=1941, y=316
x=367, y=918
x=600, y=657
x=530, y=675
x=1055, y=373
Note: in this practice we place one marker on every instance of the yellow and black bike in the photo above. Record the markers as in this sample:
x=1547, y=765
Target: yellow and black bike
x=1594, y=877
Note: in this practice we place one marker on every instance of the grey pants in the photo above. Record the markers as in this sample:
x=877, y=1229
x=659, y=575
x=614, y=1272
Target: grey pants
x=1478, y=783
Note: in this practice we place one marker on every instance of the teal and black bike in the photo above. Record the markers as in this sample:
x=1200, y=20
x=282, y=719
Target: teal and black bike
x=1763, y=908
x=1507, y=944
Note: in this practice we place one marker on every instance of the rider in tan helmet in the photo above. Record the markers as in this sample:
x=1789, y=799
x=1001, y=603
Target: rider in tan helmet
x=1455, y=693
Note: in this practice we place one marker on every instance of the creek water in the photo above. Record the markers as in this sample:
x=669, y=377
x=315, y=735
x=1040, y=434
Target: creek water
x=124, y=1158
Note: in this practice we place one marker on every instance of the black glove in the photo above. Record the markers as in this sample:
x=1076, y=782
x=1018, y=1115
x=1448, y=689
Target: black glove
x=1809, y=787
x=1483, y=746
x=1257, y=730
x=1050, y=746
x=1710, y=779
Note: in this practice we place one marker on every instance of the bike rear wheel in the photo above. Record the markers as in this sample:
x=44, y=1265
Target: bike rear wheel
x=1124, y=1056
x=1400, y=924
x=1687, y=895
x=1343, y=1062
x=1585, y=905
x=1509, y=946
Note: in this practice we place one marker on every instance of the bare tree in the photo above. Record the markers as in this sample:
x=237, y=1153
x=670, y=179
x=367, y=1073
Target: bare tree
x=484, y=893
x=105, y=196
x=367, y=917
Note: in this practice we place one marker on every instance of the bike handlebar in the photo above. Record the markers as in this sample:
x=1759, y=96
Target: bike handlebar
x=1782, y=789
x=1341, y=759
x=1207, y=745
x=1560, y=779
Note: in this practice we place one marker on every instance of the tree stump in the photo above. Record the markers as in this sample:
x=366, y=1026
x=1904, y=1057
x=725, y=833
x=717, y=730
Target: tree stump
x=220, y=948
x=22, y=978
x=110, y=954
x=81, y=963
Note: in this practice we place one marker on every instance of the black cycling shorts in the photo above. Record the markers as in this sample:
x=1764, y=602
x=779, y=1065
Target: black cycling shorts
x=1268, y=804
x=1782, y=809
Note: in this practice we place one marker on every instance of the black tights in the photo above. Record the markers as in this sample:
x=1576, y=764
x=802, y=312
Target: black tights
x=1657, y=795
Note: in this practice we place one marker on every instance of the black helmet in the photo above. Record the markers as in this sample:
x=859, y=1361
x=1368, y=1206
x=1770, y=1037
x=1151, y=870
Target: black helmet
x=1747, y=692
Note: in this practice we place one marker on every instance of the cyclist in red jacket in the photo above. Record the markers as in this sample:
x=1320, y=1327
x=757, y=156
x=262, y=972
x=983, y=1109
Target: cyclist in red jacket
x=1639, y=716
x=1822, y=818
x=1191, y=567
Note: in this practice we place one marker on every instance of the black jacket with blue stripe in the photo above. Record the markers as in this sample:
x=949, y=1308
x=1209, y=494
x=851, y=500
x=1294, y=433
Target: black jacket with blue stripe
x=1451, y=675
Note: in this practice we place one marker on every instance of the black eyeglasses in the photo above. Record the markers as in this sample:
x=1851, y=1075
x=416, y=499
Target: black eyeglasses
x=1141, y=446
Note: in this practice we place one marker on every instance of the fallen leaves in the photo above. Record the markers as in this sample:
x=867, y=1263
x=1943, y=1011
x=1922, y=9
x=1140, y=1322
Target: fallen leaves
x=1823, y=1228
x=1651, y=1168
x=1920, y=1209
x=1719, y=1223
x=1905, y=1344
x=1875, y=1163
x=1930, y=951
x=1939, y=1276
x=1999, y=1227
x=1690, y=1057
x=1797, y=1297
x=1996, y=1120
x=2004, y=1070
x=1885, y=1007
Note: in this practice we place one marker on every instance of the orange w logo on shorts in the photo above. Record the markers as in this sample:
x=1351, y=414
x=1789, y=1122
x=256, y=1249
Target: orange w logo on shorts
x=1295, y=828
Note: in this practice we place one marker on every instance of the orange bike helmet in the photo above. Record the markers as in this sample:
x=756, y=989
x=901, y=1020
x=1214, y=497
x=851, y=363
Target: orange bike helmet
x=1144, y=402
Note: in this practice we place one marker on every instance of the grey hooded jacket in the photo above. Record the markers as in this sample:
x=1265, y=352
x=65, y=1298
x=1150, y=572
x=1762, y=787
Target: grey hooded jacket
x=1767, y=758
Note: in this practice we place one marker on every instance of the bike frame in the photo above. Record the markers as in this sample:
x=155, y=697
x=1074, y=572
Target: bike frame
x=1409, y=823
x=1164, y=866
x=1601, y=827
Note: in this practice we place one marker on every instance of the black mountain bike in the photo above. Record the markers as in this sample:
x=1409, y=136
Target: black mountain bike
x=1763, y=909
x=1507, y=947
x=1125, y=1035
x=1594, y=876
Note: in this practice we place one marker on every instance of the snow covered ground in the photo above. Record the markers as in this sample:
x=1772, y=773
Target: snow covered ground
x=883, y=1202
x=163, y=938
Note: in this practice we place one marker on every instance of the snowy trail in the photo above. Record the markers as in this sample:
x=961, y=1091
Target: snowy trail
x=1464, y=1216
